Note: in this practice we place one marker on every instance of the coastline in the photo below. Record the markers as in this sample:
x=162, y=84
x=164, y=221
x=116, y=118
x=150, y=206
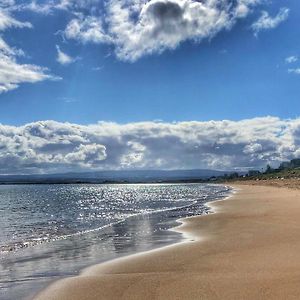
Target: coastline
x=245, y=250
x=32, y=269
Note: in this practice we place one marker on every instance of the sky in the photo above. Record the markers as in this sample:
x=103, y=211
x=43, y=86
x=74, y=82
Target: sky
x=148, y=84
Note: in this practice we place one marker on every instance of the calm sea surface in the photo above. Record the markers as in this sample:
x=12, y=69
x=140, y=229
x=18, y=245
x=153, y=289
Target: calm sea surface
x=53, y=231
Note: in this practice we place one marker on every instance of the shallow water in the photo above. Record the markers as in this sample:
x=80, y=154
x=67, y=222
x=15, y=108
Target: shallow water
x=53, y=231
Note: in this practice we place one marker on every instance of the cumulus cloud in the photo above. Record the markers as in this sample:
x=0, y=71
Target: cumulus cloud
x=266, y=21
x=50, y=146
x=139, y=27
x=135, y=28
x=11, y=72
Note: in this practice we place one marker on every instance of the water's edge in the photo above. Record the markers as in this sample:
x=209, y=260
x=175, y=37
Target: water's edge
x=184, y=238
x=30, y=270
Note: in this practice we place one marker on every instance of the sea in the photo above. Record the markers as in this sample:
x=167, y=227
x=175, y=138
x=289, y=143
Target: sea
x=50, y=231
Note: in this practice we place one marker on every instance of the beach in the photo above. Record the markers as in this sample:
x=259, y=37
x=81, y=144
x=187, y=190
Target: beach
x=248, y=249
x=291, y=183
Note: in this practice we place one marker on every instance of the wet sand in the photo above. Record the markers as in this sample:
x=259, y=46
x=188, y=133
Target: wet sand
x=248, y=249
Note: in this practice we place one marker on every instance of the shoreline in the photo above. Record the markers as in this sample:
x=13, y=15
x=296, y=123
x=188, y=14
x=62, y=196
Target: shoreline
x=243, y=244
x=50, y=262
x=186, y=238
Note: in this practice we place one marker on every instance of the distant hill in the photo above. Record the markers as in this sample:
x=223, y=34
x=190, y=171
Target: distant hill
x=130, y=176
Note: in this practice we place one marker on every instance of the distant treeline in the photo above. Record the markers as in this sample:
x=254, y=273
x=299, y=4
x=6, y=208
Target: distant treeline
x=287, y=169
x=293, y=164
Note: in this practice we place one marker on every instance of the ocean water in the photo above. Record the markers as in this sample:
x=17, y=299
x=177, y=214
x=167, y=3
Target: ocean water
x=53, y=231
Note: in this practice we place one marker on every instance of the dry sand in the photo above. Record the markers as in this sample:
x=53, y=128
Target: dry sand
x=292, y=183
x=248, y=249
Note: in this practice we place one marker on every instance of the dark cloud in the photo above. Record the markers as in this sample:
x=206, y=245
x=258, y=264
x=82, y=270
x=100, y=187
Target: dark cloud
x=165, y=11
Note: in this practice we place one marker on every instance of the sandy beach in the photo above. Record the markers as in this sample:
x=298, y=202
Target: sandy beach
x=248, y=249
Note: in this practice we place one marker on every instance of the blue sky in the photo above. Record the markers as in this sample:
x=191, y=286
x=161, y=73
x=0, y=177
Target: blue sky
x=126, y=62
x=233, y=75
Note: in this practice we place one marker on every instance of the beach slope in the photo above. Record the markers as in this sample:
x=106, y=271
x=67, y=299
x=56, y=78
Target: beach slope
x=248, y=249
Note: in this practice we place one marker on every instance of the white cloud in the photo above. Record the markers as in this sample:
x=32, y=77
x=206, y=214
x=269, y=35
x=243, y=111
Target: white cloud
x=243, y=7
x=138, y=27
x=63, y=58
x=47, y=7
x=7, y=21
x=253, y=148
x=294, y=71
x=291, y=59
x=6, y=3
x=90, y=153
x=163, y=24
x=100, y=68
x=86, y=29
x=266, y=22
x=50, y=146
x=12, y=74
